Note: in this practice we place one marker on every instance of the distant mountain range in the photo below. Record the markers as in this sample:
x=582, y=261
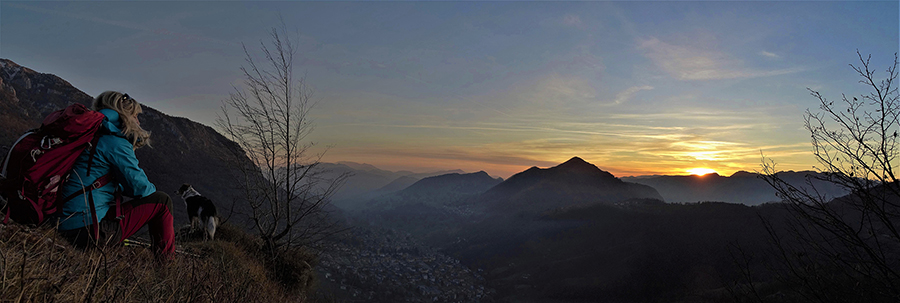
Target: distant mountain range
x=741, y=187
x=532, y=191
x=182, y=151
x=574, y=182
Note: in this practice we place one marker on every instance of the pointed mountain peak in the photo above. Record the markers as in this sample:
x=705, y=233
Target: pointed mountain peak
x=577, y=164
x=576, y=161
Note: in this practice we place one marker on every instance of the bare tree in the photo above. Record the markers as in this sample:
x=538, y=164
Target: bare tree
x=846, y=249
x=269, y=119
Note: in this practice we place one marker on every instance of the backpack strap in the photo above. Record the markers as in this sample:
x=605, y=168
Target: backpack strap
x=105, y=179
x=3, y=172
x=118, y=198
x=93, y=147
x=90, y=194
x=94, y=221
x=100, y=182
x=9, y=155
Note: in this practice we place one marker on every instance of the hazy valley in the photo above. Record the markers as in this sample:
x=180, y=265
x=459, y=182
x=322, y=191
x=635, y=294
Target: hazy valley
x=575, y=233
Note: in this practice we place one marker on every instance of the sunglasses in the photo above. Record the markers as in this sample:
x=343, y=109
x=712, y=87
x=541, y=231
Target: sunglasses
x=125, y=97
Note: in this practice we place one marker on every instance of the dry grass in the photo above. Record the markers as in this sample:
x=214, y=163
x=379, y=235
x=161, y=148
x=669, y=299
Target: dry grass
x=38, y=266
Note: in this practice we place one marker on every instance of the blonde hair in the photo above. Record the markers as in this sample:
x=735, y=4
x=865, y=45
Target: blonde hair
x=128, y=109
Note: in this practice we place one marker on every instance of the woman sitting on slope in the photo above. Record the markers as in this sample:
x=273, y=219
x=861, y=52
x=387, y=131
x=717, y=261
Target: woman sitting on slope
x=121, y=135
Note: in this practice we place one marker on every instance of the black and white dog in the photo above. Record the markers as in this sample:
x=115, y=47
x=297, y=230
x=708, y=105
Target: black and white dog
x=199, y=209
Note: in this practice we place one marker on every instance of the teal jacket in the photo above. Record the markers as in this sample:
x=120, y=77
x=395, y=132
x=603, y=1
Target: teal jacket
x=115, y=155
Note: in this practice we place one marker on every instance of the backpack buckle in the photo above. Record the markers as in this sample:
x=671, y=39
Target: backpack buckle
x=96, y=185
x=48, y=142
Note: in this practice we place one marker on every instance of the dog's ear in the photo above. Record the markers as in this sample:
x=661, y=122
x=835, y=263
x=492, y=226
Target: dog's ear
x=184, y=187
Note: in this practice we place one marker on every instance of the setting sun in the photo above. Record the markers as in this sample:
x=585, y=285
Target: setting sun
x=700, y=171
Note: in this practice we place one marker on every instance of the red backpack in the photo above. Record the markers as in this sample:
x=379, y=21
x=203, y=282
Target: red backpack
x=41, y=160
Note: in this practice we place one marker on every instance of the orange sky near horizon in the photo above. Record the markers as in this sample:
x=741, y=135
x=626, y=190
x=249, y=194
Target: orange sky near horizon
x=507, y=167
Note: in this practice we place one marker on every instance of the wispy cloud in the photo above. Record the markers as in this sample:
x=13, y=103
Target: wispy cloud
x=552, y=91
x=685, y=115
x=503, y=128
x=572, y=20
x=694, y=63
x=626, y=95
x=769, y=55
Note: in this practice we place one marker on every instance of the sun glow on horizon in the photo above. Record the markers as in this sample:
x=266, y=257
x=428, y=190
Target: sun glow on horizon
x=700, y=171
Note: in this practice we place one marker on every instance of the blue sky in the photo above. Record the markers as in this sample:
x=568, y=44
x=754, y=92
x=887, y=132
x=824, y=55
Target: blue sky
x=633, y=87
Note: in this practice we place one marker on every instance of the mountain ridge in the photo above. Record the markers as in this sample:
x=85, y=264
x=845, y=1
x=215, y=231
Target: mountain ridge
x=741, y=187
x=366, y=182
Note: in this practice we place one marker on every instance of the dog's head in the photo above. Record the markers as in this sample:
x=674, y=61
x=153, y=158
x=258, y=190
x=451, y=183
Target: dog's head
x=184, y=188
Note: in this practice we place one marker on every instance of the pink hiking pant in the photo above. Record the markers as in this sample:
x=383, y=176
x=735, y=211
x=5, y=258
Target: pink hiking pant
x=153, y=210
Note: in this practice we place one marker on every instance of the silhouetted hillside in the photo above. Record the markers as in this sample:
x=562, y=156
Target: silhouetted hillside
x=182, y=151
x=449, y=188
x=574, y=182
x=366, y=182
x=741, y=187
x=396, y=185
x=364, y=178
x=431, y=205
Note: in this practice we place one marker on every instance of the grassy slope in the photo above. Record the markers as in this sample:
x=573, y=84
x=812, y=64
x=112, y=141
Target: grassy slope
x=38, y=266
